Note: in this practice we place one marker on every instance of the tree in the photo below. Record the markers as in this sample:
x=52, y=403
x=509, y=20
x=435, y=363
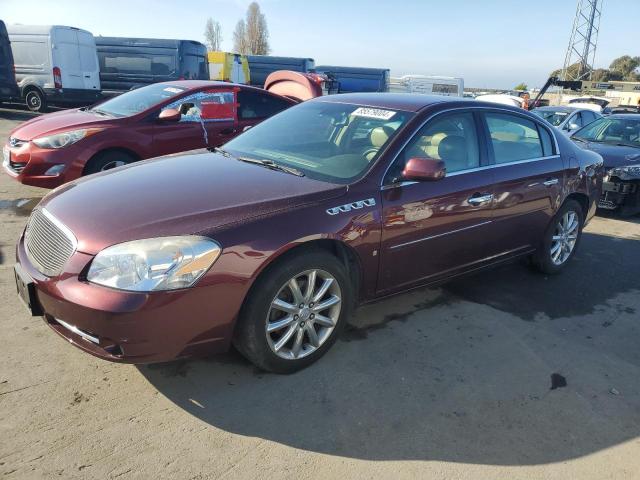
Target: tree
x=625, y=68
x=240, y=38
x=251, y=36
x=213, y=34
x=521, y=86
x=257, y=31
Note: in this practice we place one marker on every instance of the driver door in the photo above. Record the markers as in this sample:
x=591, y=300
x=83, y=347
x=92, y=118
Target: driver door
x=432, y=229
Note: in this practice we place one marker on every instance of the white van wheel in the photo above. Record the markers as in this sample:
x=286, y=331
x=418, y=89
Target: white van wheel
x=35, y=101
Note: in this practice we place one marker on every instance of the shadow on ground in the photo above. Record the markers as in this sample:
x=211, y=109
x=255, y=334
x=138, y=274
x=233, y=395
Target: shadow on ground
x=20, y=115
x=463, y=373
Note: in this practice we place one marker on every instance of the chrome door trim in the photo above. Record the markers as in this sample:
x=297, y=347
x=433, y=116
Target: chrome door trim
x=400, y=245
x=550, y=182
x=482, y=108
x=472, y=170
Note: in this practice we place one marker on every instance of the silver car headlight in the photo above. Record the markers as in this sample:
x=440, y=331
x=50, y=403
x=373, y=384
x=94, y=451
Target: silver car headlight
x=64, y=139
x=165, y=263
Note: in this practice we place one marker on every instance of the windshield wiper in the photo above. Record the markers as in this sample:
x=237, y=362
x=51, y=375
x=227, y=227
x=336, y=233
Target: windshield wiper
x=100, y=112
x=221, y=151
x=628, y=145
x=272, y=165
x=580, y=139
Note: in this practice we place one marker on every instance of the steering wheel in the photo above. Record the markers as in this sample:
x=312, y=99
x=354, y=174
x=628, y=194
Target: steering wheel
x=368, y=151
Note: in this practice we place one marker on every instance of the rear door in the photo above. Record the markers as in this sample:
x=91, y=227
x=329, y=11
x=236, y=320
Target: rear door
x=529, y=174
x=88, y=61
x=66, y=57
x=434, y=229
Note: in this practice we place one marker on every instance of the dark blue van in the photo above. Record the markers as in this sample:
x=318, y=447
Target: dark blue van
x=356, y=79
x=260, y=66
x=128, y=63
x=8, y=85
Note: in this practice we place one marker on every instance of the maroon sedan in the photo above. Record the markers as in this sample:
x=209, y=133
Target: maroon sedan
x=155, y=120
x=269, y=243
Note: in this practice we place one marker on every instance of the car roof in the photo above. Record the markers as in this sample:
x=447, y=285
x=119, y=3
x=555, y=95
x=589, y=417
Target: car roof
x=625, y=116
x=407, y=102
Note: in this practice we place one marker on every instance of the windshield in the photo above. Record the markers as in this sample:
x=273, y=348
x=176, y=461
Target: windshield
x=333, y=142
x=554, y=118
x=616, y=131
x=136, y=101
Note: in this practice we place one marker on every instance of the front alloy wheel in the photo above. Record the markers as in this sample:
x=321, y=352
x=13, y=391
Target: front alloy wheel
x=294, y=311
x=303, y=314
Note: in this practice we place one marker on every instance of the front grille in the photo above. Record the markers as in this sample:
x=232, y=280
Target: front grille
x=16, y=167
x=48, y=243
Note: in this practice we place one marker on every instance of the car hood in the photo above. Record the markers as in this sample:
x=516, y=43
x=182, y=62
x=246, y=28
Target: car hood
x=614, y=155
x=58, y=121
x=178, y=195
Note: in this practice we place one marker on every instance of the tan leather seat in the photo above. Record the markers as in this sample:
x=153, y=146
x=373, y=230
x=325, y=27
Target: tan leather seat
x=378, y=137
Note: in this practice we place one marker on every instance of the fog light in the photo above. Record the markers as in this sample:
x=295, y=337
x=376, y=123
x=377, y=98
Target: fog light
x=55, y=170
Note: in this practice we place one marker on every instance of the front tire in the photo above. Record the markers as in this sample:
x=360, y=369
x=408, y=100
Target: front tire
x=561, y=239
x=107, y=161
x=294, y=312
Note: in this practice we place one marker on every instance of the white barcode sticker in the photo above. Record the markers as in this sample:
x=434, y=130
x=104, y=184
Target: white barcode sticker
x=373, y=113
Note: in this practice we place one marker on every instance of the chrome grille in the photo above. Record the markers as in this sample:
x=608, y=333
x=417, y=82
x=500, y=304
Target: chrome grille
x=48, y=243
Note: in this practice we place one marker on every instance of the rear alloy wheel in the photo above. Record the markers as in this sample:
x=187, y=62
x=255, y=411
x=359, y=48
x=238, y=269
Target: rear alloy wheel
x=294, y=312
x=35, y=101
x=561, y=239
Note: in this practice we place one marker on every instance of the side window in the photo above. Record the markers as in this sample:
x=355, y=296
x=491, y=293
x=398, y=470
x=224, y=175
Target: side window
x=577, y=119
x=451, y=138
x=205, y=106
x=587, y=118
x=547, y=141
x=259, y=105
x=513, y=138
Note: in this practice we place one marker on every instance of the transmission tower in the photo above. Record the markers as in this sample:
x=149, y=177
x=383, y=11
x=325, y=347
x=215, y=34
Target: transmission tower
x=584, y=37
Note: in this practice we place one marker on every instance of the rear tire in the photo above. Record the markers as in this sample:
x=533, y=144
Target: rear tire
x=561, y=239
x=107, y=161
x=35, y=100
x=281, y=331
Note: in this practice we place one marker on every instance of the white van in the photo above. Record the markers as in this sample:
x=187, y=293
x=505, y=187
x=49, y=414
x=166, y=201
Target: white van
x=55, y=65
x=429, y=85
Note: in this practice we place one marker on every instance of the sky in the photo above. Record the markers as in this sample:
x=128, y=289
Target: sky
x=490, y=43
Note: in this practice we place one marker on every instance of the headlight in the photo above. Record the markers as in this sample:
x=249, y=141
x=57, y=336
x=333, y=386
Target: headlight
x=165, y=263
x=64, y=139
x=628, y=172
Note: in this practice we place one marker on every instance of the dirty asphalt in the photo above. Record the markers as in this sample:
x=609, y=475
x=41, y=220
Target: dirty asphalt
x=503, y=374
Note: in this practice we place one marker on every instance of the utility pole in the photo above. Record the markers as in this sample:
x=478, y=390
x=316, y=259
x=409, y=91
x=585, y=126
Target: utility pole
x=583, y=41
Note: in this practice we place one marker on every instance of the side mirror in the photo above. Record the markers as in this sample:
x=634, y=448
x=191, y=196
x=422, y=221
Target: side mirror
x=573, y=126
x=170, y=115
x=420, y=169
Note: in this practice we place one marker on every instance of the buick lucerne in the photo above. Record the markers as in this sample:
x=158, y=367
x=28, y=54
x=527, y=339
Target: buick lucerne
x=269, y=242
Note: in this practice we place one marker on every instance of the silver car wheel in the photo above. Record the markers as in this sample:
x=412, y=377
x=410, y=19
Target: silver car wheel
x=303, y=314
x=565, y=237
x=114, y=164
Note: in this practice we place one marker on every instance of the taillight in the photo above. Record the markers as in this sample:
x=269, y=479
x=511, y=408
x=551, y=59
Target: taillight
x=57, y=77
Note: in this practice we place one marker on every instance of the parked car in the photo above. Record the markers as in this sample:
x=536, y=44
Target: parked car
x=261, y=66
x=428, y=85
x=155, y=120
x=357, y=79
x=567, y=119
x=617, y=139
x=55, y=65
x=8, y=85
x=590, y=102
x=270, y=242
x=129, y=63
x=502, y=99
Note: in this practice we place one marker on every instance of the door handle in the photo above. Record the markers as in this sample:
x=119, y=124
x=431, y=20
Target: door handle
x=478, y=199
x=227, y=131
x=550, y=182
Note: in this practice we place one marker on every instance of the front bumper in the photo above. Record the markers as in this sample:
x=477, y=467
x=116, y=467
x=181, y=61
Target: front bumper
x=28, y=164
x=132, y=327
x=620, y=195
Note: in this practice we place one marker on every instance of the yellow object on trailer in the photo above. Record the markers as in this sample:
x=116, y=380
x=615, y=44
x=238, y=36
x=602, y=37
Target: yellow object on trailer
x=228, y=67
